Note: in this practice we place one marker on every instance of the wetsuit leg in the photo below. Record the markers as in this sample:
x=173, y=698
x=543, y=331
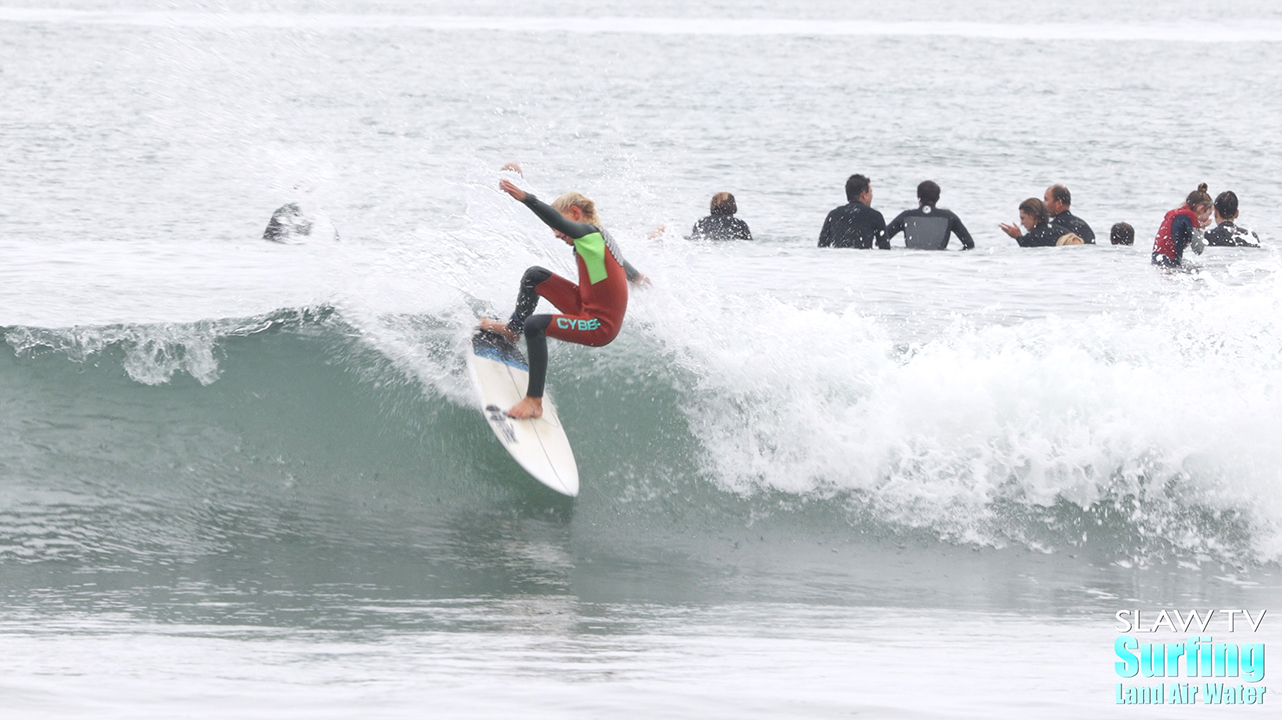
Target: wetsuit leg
x=580, y=328
x=536, y=350
x=540, y=282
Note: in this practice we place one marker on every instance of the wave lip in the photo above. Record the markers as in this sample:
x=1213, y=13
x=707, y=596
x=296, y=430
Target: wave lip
x=1256, y=32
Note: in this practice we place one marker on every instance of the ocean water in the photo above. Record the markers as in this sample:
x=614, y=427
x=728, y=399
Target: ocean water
x=244, y=479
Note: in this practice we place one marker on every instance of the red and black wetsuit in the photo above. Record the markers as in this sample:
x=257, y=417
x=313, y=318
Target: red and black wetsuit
x=591, y=311
x=1173, y=236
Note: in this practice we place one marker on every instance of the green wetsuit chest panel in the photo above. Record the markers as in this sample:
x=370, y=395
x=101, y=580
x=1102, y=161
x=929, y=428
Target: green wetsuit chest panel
x=591, y=248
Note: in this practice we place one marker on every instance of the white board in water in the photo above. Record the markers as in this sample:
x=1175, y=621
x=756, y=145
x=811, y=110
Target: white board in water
x=501, y=375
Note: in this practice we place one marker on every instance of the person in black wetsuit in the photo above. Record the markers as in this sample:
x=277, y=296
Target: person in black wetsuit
x=1032, y=215
x=1226, y=233
x=928, y=227
x=721, y=224
x=855, y=224
x=1057, y=201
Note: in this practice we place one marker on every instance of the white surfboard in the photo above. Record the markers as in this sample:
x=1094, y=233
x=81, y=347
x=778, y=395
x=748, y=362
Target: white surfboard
x=501, y=375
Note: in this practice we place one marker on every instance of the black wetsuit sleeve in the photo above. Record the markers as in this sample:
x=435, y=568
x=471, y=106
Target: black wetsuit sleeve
x=962, y=233
x=879, y=231
x=743, y=232
x=556, y=220
x=629, y=271
x=1181, y=234
x=896, y=226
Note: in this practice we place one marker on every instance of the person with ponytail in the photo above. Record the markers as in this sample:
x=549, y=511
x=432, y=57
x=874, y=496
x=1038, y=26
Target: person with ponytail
x=591, y=311
x=1182, y=227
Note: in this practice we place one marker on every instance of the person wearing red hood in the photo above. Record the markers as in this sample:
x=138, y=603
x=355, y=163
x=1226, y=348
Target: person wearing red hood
x=1180, y=228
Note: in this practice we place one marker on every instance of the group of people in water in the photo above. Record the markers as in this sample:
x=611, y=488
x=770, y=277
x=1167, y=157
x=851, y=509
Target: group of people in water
x=1045, y=222
x=591, y=311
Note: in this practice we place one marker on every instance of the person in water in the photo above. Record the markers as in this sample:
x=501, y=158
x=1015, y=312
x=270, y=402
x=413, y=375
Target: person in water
x=928, y=227
x=1181, y=227
x=721, y=224
x=1032, y=215
x=1122, y=234
x=855, y=224
x=591, y=311
x=1057, y=201
x=1226, y=233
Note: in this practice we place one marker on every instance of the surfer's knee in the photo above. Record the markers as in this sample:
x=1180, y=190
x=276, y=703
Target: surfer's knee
x=535, y=275
x=535, y=326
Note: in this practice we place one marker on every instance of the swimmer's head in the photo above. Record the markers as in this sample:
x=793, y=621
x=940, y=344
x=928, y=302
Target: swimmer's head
x=571, y=204
x=1226, y=205
x=1057, y=199
x=856, y=186
x=928, y=193
x=1198, y=198
x=1122, y=234
x=1032, y=213
x=1199, y=201
x=723, y=204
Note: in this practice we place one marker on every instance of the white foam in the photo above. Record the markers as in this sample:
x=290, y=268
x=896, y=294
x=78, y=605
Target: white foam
x=1175, y=407
x=1268, y=32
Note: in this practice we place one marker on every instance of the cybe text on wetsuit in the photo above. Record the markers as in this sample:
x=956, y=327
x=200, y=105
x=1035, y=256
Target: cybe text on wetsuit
x=1211, y=665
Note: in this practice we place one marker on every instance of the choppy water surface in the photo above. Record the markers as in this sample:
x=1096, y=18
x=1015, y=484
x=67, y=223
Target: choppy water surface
x=239, y=478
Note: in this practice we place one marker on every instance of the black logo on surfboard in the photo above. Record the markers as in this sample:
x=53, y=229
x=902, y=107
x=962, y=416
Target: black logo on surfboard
x=499, y=418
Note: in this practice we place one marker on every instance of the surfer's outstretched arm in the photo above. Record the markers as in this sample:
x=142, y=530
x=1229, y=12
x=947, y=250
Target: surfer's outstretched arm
x=570, y=228
x=548, y=214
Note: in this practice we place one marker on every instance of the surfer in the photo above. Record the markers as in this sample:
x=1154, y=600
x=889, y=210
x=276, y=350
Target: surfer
x=721, y=224
x=855, y=224
x=928, y=227
x=1226, y=233
x=1181, y=227
x=592, y=311
x=1057, y=201
x=1032, y=215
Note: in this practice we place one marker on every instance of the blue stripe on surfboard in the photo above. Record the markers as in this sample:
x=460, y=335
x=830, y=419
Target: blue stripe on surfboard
x=492, y=353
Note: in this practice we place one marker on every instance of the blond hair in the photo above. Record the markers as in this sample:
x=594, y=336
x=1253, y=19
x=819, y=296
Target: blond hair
x=586, y=206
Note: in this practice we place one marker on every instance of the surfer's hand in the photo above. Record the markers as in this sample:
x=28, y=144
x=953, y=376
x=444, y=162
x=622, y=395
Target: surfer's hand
x=1012, y=230
x=513, y=167
x=641, y=281
x=516, y=192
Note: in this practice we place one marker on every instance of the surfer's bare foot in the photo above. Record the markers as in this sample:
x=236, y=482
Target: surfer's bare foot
x=530, y=407
x=498, y=328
